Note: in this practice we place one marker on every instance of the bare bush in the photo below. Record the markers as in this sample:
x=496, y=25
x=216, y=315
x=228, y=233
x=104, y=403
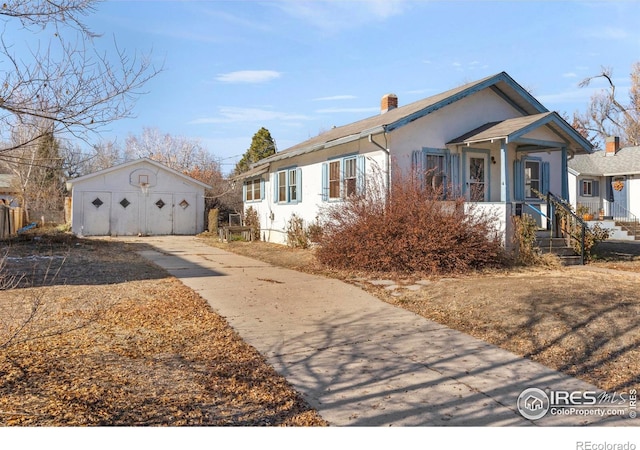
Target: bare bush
x=417, y=230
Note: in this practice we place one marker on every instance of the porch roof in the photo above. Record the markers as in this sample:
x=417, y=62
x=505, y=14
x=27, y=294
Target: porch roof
x=513, y=130
x=253, y=172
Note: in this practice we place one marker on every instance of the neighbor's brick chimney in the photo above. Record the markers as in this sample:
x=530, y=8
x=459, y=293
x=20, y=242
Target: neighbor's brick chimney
x=611, y=145
x=389, y=102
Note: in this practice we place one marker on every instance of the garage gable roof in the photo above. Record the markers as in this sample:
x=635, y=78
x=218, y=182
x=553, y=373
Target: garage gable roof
x=134, y=163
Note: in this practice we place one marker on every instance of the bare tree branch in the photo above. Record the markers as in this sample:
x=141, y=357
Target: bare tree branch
x=66, y=80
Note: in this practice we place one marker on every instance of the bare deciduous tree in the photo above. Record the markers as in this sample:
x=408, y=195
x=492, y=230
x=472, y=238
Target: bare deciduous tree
x=606, y=115
x=62, y=78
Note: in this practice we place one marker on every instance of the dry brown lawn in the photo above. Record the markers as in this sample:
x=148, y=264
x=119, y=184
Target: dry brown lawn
x=584, y=322
x=116, y=341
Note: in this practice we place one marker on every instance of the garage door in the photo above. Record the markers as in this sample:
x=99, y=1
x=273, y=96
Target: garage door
x=125, y=213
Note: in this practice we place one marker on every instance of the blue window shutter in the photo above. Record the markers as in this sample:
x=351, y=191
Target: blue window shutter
x=325, y=182
x=360, y=174
x=416, y=162
x=595, y=188
x=299, y=183
x=454, y=168
x=518, y=181
x=262, y=185
x=546, y=176
x=275, y=187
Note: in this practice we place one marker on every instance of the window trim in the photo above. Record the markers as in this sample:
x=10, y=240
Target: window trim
x=341, y=162
x=583, y=183
x=524, y=177
x=287, y=187
x=250, y=185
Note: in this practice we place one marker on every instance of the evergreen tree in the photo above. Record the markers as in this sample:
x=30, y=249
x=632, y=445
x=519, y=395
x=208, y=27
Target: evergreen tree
x=262, y=145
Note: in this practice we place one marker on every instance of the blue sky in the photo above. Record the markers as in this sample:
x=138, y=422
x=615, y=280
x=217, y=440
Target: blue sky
x=300, y=67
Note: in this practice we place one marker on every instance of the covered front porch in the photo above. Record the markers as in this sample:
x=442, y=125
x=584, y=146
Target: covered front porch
x=510, y=167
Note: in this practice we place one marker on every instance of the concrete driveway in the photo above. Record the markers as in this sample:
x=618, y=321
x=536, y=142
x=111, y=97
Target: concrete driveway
x=357, y=360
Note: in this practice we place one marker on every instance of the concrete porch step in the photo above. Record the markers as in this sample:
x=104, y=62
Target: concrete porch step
x=557, y=246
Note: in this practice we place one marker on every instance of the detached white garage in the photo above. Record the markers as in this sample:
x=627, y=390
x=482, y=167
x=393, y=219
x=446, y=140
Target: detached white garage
x=138, y=197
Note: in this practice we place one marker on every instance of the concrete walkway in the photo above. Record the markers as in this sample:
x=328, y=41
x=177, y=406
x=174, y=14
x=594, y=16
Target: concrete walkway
x=357, y=360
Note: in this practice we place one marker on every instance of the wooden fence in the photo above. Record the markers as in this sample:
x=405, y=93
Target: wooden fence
x=11, y=220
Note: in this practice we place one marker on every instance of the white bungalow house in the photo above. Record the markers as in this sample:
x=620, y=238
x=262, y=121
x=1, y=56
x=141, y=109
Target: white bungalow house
x=141, y=197
x=607, y=184
x=489, y=137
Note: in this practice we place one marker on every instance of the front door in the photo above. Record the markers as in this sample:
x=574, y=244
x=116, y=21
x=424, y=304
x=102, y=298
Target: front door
x=476, y=183
x=619, y=189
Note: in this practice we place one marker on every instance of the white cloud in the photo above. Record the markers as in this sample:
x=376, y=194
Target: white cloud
x=569, y=75
x=335, y=97
x=234, y=115
x=248, y=76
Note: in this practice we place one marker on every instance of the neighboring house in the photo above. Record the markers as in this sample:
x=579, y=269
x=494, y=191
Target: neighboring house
x=490, y=139
x=607, y=183
x=8, y=192
x=141, y=197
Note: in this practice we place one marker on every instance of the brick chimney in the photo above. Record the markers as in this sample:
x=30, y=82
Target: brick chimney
x=611, y=145
x=389, y=102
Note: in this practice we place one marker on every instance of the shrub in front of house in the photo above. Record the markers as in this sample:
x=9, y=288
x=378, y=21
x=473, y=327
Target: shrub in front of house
x=418, y=230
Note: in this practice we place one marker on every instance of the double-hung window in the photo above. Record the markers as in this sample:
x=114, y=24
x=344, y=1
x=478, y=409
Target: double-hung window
x=349, y=176
x=288, y=186
x=532, y=178
x=293, y=185
x=590, y=188
x=253, y=190
x=334, y=180
x=436, y=169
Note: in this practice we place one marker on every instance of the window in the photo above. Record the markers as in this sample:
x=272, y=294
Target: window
x=349, y=176
x=531, y=175
x=288, y=186
x=334, y=180
x=437, y=169
x=342, y=177
x=253, y=190
x=589, y=188
x=293, y=185
x=531, y=178
x=435, y=175
x=282, y=186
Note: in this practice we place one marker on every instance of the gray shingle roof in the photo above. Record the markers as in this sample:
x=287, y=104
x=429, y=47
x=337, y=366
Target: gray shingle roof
x=625, y=162
x=397, y=117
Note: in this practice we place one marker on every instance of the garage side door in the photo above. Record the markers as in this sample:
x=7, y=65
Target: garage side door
x=159, y=213
x=96, y=211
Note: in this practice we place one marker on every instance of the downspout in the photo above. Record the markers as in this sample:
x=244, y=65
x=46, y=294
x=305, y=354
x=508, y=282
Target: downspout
x=388, y=158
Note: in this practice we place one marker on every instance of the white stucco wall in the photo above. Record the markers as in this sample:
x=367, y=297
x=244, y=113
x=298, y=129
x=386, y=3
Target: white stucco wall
x=182, y=201
x=274, y=217
x=431, y=131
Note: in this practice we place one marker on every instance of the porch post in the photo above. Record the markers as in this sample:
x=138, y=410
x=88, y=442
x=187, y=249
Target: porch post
x=565, y=175
x=504, y=174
